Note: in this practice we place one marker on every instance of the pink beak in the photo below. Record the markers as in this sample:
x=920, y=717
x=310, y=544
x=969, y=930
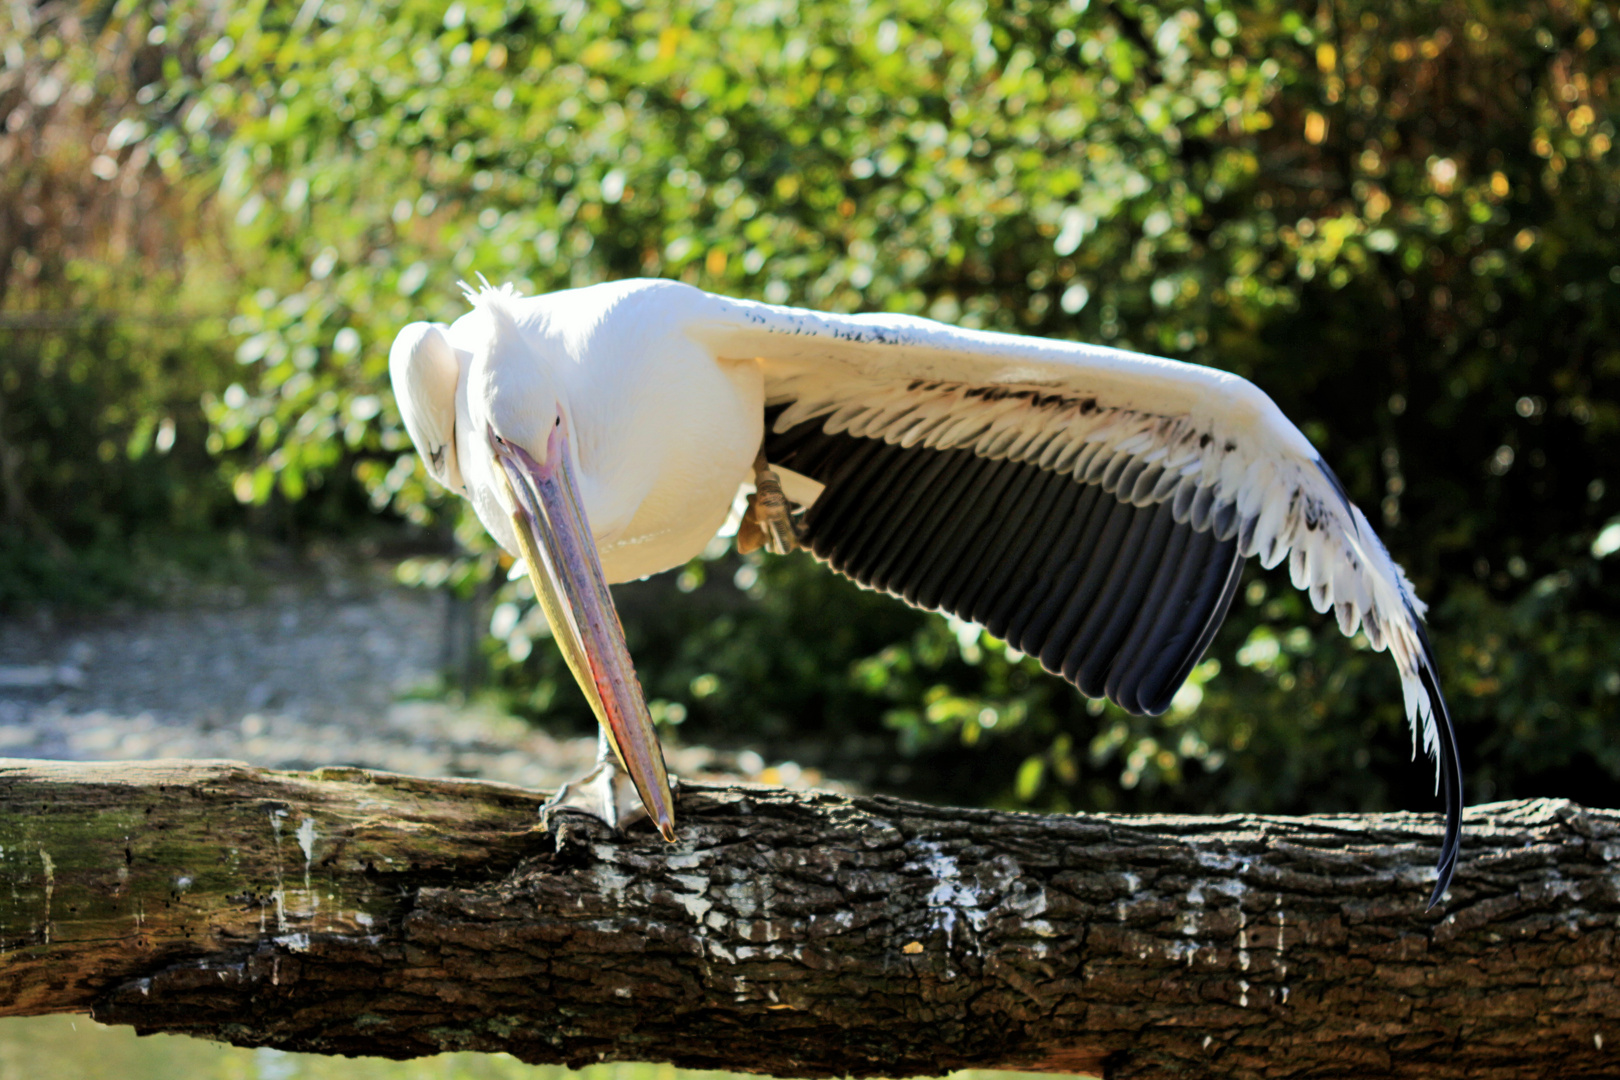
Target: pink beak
x=556, y=542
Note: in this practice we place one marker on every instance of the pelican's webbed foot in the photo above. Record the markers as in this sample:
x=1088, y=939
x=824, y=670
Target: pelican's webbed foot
x=606, y=793
x=769, y=521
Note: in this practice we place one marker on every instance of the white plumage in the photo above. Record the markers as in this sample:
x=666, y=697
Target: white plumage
x=1092, y=505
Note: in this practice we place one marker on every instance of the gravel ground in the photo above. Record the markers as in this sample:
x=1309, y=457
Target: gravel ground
x=325, y=664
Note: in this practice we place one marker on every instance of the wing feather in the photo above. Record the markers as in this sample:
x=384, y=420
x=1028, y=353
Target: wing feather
x=1056, y=534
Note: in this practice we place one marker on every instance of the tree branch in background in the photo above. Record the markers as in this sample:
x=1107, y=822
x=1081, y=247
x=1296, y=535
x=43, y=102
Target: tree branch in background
x=350, y=912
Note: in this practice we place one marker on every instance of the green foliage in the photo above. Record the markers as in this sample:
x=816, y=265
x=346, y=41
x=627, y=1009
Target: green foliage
x=106, y=454
x=1398, y=220
x=107, y=342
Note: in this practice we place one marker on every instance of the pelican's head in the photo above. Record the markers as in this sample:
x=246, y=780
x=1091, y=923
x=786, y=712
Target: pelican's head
x=425, y=368
x=521, y=422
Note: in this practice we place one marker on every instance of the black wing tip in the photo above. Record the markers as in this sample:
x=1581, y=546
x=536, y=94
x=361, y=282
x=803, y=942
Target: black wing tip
x=1450, y=763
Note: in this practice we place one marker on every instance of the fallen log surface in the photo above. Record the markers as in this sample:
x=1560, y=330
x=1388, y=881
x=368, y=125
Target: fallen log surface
x=802, y=934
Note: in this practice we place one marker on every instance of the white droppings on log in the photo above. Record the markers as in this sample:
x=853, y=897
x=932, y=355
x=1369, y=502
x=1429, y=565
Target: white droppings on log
x=1243, y=932
x=294, y=942
x=1028, y=903
x=281, y=908
x=1215, y=860
x=50, y=888
x=614, y=880
x=1236, y=890
x=694, y=900
x=711, y=946
x=1282, y=926
x=1132, y=884
x=948, y=889
x=306, y=841
x=950, y=896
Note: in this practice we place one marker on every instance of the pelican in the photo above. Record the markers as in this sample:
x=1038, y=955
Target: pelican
x=1092, y=507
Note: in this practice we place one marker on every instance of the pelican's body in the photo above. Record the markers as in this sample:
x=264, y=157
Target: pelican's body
x=1094, y=507
x=663, y=435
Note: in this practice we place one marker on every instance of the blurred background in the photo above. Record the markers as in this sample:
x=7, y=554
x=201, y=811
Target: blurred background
x=1399, y=220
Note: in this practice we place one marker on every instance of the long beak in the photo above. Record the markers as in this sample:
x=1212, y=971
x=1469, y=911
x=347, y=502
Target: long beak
x=567, y=575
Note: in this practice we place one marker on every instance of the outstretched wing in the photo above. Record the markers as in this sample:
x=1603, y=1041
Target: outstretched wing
x=1090, y=506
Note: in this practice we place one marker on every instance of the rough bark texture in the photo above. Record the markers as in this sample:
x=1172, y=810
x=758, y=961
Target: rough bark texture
x=350, y=912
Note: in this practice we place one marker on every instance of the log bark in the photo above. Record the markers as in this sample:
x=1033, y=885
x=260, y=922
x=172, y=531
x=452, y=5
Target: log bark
x=351, y=912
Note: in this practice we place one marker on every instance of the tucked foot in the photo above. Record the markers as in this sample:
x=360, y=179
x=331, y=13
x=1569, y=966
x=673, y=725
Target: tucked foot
x=768, y=522
x=606, y=793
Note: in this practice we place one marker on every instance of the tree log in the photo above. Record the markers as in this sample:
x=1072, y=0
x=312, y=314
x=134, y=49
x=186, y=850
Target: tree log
x=353, y=912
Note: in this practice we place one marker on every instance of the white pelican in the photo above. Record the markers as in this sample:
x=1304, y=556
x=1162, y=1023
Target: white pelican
x=1091, y=506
